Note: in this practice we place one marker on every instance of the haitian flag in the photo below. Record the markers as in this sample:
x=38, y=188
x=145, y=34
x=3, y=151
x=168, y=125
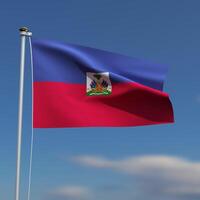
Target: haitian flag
x=77, y=86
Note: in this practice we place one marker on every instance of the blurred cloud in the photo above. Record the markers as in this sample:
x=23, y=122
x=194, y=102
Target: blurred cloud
x=157, y=176
x=70, y=192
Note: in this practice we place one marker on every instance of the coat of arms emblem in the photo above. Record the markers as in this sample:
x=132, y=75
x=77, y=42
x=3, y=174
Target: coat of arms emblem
x=98, y=84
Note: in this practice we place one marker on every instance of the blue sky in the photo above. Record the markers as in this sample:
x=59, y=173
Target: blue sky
x=153, y=162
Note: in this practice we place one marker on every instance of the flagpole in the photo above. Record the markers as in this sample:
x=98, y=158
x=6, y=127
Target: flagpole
x=24, y=32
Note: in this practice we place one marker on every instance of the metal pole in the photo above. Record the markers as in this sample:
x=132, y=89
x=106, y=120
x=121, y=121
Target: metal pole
x=24, y=32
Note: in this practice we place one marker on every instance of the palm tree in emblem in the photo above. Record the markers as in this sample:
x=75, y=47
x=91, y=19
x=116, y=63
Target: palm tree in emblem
x=99, y=85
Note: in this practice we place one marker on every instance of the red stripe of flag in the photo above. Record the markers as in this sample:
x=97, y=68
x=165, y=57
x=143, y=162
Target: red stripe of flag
x=58, y=104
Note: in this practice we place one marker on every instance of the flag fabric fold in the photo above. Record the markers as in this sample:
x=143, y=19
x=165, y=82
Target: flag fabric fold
x=76, y=86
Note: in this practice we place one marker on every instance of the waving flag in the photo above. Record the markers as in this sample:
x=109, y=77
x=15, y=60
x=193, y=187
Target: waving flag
x=76, y=86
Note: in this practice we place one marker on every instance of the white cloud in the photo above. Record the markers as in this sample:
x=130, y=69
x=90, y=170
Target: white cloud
x=93, y=161
x=163, y=175
x=71, y=192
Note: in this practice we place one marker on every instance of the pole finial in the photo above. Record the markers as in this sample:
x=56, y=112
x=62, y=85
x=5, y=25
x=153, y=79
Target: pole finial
x=23, y=29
